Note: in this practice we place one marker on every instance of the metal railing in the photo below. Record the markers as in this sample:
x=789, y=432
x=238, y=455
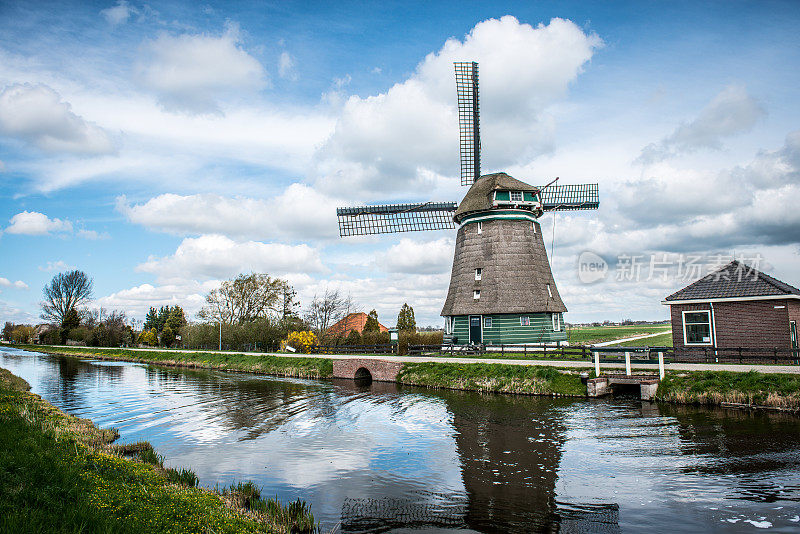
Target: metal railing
x=386, y=348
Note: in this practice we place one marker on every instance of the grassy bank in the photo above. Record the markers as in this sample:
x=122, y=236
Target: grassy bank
x=58, y=473
x=587, y=335
x=300, y=367
x=719, y=387
x=661, y=340
x=493, y=377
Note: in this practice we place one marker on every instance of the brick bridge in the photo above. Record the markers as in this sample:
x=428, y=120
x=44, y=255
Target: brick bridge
x=363, y=368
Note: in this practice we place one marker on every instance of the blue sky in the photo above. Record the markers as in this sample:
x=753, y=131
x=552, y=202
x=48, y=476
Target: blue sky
x=163, y=147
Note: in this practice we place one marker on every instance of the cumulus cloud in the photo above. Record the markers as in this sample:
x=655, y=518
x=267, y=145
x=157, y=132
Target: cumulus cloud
x=19, y=284
x=733, y=111
x=286, y=66
x=118, y=14
x=35, y=223
x=218, y=257
x=239, y=216
x=386, y=142
x=36, y=114
x=135, y=301
x=58, y=265
x=192, y=72
x=16, y=315
x=416, y=257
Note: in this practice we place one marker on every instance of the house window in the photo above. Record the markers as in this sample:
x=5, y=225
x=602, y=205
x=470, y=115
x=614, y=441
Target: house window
x=478, y=273
x=793, y=333
x=480, y=228
x=487, y=322
x=524, y=321
x=516, y=196
x=556, y=322
x=476, y=294
x=697, y=327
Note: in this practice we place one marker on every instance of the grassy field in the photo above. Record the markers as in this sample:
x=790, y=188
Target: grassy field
x=587, y=335
x=301, y=367
x=661, y=340
x=717, y=387
x=59, y=474
x=493, y=377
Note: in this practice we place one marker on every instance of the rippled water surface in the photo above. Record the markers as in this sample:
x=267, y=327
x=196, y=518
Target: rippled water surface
x=384, y=458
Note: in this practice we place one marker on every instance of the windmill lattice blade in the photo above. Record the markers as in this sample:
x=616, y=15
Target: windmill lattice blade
x=570, y=197
x=393, y=218
x=468, y=121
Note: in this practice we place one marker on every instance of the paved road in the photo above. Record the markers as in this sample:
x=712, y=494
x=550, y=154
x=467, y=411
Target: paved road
x=790, y=369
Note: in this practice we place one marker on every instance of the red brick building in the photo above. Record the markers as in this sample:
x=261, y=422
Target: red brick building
x=735, y=306
x=354, y=321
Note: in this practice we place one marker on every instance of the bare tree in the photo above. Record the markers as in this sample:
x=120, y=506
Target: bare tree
x=246, y=298
x=63, y=295
x=326, y=310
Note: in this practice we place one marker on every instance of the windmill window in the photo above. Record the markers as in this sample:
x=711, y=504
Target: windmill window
x=549, y=291
x=516, y=196
x=476, y=294
x=487, y=322
x=524, y=321
x=697, y=327
x=556, y=322
x=480, y=228
x=478, y=273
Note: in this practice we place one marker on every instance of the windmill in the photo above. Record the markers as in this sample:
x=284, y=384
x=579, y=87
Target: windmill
x=501, y=287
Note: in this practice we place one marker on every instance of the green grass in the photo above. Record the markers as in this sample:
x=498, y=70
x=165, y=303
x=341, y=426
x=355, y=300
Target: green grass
x=715, y=387
x=587, y=335
x=493, y=377
x=302, y=367
x=661, y=340
x=58, y=474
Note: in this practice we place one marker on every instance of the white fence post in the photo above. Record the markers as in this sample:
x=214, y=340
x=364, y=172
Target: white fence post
x=628, y=364
x=597, y=364
x=661, y=373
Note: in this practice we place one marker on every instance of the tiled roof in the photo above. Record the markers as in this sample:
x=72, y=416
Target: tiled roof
x=734, y=280
x=354, y=321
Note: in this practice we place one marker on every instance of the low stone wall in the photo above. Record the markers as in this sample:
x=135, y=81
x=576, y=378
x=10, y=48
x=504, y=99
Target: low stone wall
x=381, y=370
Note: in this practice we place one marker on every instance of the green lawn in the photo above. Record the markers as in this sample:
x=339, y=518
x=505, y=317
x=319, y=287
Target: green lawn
x=716, y=387
x=587, y=335
x=662, y=340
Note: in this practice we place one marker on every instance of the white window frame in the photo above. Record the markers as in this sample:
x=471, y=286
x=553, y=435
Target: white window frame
x=476, y=294
x=793, y=334
x=487, y=321
x=448, y=325
x=480, y=227
x=549, y=291
x=710, y=332
x=524, y=319
x=556, y=322
x=478, y=273
x=519, y=194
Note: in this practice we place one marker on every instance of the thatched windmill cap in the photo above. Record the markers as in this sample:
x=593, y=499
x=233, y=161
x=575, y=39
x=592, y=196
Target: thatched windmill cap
x=480, y=197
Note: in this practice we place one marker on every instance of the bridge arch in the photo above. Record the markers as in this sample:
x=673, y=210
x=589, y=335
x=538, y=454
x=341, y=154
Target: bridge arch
x=361, y=368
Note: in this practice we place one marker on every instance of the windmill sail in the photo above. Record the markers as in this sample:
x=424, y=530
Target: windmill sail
x=570, y=197
x=392, y=218
x=468, y=121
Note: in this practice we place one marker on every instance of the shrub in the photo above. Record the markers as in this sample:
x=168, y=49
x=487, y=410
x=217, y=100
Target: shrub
x=167, y=336
x=353, y=338
x=301, y=341
x=149, y=337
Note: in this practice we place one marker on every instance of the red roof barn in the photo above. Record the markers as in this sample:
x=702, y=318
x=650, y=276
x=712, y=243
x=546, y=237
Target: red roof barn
x=354, y=321
x=735, y=306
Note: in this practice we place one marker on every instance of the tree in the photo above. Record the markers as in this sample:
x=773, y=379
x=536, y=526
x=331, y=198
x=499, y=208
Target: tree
x=65, y=293
x=7, y=329
x=246, y=298
x=167, y=336
x=176, y=319
x=326, y=310
x=372, y=324
x=405, y=319
x=151, y=319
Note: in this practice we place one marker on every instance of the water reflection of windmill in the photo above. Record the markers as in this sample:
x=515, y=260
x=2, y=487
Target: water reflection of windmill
x=501, y=288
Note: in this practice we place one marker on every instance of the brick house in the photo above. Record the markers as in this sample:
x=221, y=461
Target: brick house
x=735, y=306
x=353, y=321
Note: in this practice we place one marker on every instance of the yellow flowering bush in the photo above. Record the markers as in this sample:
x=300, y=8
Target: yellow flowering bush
x=300, y=341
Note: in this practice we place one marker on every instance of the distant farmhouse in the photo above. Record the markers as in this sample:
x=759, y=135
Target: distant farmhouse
x=735, y=306
x=354, y=321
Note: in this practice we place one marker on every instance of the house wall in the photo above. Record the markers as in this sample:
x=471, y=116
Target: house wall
x=506, y=329
x=755, y=323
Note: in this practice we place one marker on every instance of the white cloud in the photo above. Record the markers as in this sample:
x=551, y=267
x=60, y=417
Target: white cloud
x=118, y=14
x=19, y=284
x=192, y=72
x=218, y=257
x=59, y=265
x=386, y=142
x=733, y=111
x=37, y=114
x=273, y=218
x=415, y=257
x=35, y=223
x=16, y=315
x=286, y=66
x=92, y=235
x=135, y=301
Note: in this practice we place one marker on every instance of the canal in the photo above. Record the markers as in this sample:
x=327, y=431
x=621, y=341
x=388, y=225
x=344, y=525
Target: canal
x=383, y=458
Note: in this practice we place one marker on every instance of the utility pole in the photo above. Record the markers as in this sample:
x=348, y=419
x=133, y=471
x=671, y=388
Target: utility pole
x=220, y=334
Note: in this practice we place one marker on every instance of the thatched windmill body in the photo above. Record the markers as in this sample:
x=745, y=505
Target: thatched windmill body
x=501, y=287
